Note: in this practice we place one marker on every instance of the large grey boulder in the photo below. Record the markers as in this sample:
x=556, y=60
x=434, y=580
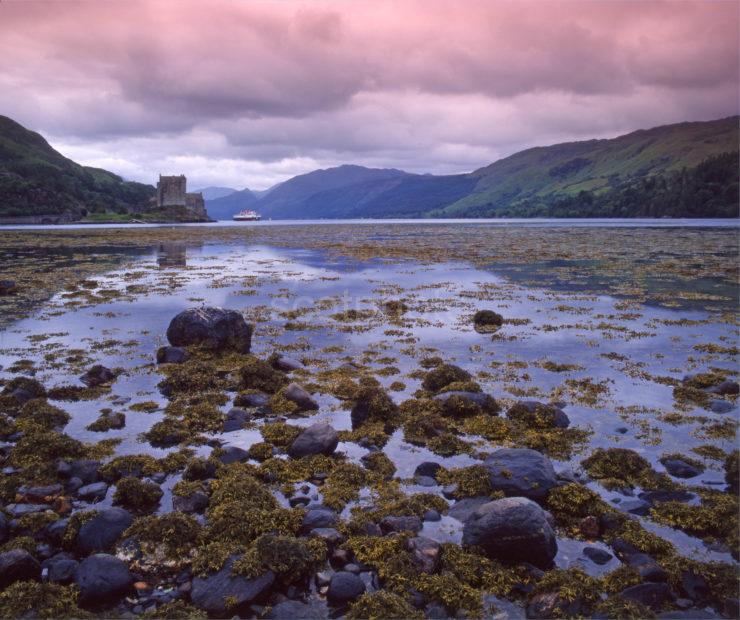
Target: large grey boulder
x=102, y=578
x=103, y=530
x=18, y=565
x=316, y=439
x=513, y=529
x=213, y=328
x=344, y=587
x=521, y=472
x=211, y=592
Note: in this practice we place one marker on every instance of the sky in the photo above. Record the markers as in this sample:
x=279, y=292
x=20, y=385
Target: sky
x=246, y=93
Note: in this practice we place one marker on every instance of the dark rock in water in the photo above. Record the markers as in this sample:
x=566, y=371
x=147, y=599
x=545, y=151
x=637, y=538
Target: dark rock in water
x=546, y=605
x=463, y=509
x=210, y=593
x=62, y=571
x=425, y=553
x=172, y=355
x=726, y=387
x=590, y=526
x=98, y=375
x=623, y=549
x=653, y=595
x=331, y=536
x=319, y=517
x=93, y=492
x=298, y=395
x=597, y=555
x=534, y=414
x=720, y=406
x=487, y=320
x=458, y=404
x=521, y=472
x=345, y=587
x=252, y=399
x=400, y=524
x=647, y=567
x=235, y=419
x=19, y=510
x=432, y=516
x=233, y=454
x=40, y=494
x=7, y=287
x=316, y=439
x=513, y=529
x=295, y=610
x=635, y=507
x=56, y=530
x=102, y=579
x=286, y=364
x=196, y=502
x=681, y=469
x=213, y=328
x=103, y=530
x=666, y=496
x=18, y=565
x=427, y=468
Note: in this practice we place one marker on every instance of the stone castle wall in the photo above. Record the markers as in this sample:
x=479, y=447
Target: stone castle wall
x=171, y=191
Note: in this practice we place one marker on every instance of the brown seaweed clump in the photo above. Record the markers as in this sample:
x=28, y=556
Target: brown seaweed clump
x=443, y=375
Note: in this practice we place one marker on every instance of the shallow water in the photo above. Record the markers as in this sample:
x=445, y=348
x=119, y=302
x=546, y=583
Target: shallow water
x=614, y=346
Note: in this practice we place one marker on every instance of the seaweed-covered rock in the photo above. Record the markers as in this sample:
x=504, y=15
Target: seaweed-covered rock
x=101, y=531
x=513, y=529
x=195, y=502
x=18, y=565
x=213, y=328
x=458, y=404
x=102, y=579
x=444, y=374
x=725, y=387
x=172, y=355
x=401, y=524
x=538, y=415
x=319, y=518
x=137, y=495
x=373, y=404
x=98, y=375
x=93, y=492
x=344, y=587
x=298, y=395
x=257, y=374
x=233, y=454
x=223, y=594
x=647, y=567
x=23, y=389
x=485, y=320
x=425, y=553
x=316, y=439
x=521, y=472
x=732, y=471
x=653, y=595
x=681, y=468
x=235, y=420
x=252, y=399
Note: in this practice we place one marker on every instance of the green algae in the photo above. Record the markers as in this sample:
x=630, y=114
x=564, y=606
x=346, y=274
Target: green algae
x=171, y=537
x=382, y=605
x=137, y=495
x=24, y=599
x=291, y=559
x=442, y=376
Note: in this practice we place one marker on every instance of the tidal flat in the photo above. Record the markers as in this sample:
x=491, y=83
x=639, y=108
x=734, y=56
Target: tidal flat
x=602, y=387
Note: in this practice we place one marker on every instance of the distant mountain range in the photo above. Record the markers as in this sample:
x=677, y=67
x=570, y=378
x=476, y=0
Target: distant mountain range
x=213, y=193
x=37, y=180
x=681, y=170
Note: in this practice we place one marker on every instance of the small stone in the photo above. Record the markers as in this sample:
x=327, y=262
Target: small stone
x=235, y=420
x=589, y=527
x=428, y=468
x=653, y=595
x=332, y=536
x=597, y=555
x=681, y=469
x=400, y=524
x=62, y=571
x=18, y=565
x=233, y=454
x=319, y=517
x=98, y=375
x=432, y=516
x=425, y=553
x=298, y=395
x=286, y=364
x=196, y=502
x=172, y=355
x=647, y=567
x=93, y=492
x=316, y=439
x=717, y=405
x=19, y=510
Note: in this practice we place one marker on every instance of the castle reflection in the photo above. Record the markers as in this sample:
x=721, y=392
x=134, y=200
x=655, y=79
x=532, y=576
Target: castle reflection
x=172, y=255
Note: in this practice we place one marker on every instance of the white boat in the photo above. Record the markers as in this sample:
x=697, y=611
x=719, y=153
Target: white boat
x=247, y=216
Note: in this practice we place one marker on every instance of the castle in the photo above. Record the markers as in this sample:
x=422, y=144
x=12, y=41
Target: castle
x=171, y=192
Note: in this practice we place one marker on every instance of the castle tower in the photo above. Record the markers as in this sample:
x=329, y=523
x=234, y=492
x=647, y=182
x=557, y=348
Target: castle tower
x=171, y=191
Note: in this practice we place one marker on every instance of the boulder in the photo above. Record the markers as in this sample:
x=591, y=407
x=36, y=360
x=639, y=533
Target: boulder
x=425, y=553
x=98, y=375
x=345, y=587
x=521, y=472
x=316, y=439
x=233, y=454
x=85, y=469
x=428, y=469
x=210, y=327
x=400, y=524
x=93, y=492
x=717, y=405
x=319, y=518
x=681, y=469
x=172, y=355
x=102, y=579
x=513, y=529
x=102, y=531
x=235, y=419
x=653, y=595
x=315, y=610
x=647, y=567
x=62, y=571
x=195, y=502
x=534, y=414
x=252, y=399
x=212, y=592
x=298, y=395
x=597, y=555
x=726, y=387
x=286, y=364
x=18, y=565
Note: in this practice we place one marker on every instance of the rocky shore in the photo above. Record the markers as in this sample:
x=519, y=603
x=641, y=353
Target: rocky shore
x=291, y=527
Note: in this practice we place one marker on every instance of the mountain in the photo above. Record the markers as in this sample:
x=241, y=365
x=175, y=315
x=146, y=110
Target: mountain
x=681, y=170
x=212, y=193
x=594, y=166
x=37, y=180
x=225, y=207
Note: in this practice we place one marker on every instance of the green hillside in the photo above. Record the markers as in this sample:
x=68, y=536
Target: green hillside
x=594, y=166
x=37, y=180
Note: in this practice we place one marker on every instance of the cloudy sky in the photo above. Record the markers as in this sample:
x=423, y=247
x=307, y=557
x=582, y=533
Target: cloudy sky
x=249, y=93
